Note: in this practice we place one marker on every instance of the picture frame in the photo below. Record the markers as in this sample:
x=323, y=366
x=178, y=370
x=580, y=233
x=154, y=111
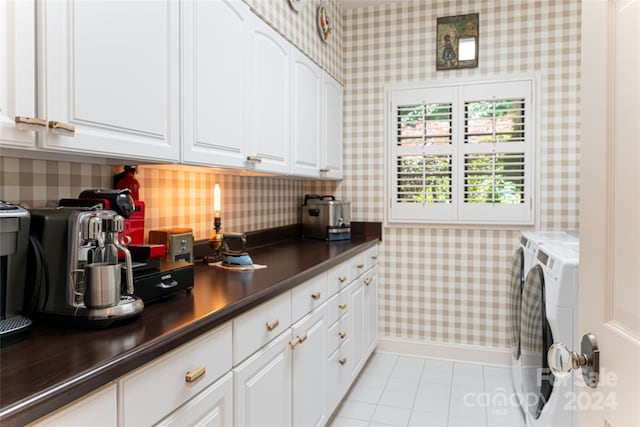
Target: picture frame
x=457, y=42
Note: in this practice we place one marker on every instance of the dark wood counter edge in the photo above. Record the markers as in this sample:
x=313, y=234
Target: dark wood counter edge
x=52, y=398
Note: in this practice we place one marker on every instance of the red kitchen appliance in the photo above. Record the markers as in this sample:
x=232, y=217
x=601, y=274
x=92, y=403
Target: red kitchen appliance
x=118, y=200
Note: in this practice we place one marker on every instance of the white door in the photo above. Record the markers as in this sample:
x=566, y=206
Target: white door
x=309, y=369
x=215, y=62
x=305, y=115
x=331, y=163
x=263, y=386
x=111, y=69
x=269, y=100
x=17, y=71
x=610, y=209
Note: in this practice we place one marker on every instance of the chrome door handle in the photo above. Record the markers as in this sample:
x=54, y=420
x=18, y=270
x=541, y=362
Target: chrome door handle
x=562, y=360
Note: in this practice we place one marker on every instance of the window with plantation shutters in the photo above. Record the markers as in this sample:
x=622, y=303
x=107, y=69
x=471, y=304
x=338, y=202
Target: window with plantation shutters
x=461, y=153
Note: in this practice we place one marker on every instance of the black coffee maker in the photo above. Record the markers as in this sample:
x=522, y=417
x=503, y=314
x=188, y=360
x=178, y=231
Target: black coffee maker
x=14, y=242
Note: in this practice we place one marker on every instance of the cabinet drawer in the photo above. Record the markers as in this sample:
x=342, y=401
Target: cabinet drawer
x=337, y=306
x=339, y=377
x=371, y=257
x=338, y=278
x=357, y=266
x=156, y=389
x=338, y=333
x=308, y=296
x=96, y=409
x=214, y=406
x=260, y=325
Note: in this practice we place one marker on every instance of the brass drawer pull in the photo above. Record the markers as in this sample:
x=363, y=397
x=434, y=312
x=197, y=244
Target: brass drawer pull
x=193, y=375
x=299, y=340
x=271, y=326
x=342, y=306
x=254, y=159
x=359, y=266
x=61, y=126
x=342, y=334
x=315, y=295
x=368, y=281
x=342, y=279
x=342, y=361
x=374, y=257
x=29, y=123
x=325, y=170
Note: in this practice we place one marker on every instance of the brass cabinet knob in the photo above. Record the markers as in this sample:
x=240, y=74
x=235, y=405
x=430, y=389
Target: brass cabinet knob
x=315, y=295
x=368, y=281
x=342, y=361
x=342, y=279
x=272, y=325
x=342, y=306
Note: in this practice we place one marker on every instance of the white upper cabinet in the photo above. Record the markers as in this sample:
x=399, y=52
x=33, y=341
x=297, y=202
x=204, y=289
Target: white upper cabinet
x=269, y=100
x=111, y=69
x=306, y=115
x=17, y=71
x=215, y=64
x=331, y=155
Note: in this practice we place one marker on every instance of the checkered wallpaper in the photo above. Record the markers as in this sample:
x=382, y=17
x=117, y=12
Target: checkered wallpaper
x=174, y=197
x=441, y=284
x=437, y=284
x=301, y=29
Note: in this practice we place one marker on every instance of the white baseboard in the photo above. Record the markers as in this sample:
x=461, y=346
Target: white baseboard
x=447, y=351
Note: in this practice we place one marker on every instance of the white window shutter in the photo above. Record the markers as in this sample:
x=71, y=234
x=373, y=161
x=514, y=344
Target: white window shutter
x=462, y=153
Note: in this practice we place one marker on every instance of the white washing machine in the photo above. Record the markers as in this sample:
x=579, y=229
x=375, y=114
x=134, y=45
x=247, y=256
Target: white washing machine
x=522, y=261
x=549, y=314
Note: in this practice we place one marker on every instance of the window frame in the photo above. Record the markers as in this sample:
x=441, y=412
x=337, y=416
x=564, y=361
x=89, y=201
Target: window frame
x=457, y=212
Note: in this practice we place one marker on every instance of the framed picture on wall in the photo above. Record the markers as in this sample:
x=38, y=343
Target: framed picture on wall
x=457, y=42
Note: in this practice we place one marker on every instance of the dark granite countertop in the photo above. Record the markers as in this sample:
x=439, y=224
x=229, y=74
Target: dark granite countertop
x=57, y=365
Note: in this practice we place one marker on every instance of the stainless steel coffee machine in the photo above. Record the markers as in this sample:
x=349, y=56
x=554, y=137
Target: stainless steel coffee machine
x=74, y=270
x=14, y=239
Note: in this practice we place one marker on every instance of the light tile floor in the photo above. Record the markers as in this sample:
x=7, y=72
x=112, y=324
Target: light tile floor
x=409, y=391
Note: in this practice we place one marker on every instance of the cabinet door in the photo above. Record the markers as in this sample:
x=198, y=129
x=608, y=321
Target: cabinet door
x=263, y=386
x=357, y=326
x=309, y=366
x=339, y=377
x=371, y=310
x=215, y=62
x=111, y=69
x=306, y=115
x=269, y=101
x=96, y=409
x=331, y=164
x=211, y=408
x=17, y=71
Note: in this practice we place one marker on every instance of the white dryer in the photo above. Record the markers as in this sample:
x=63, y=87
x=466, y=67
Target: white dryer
x=522, y=261
x=549, y=314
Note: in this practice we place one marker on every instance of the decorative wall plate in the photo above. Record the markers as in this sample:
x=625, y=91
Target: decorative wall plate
x=298, y=5
x=325, y=26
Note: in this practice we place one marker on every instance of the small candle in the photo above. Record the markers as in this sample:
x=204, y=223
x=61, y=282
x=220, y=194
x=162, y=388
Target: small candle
x=216, y=201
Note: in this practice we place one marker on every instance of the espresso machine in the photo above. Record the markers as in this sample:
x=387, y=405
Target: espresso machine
x=74, y=273
x=14, y=240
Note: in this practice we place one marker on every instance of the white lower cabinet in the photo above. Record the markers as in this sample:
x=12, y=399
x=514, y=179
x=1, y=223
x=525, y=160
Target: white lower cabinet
x=155, y=390
x=309, y=364
x=211, y=408
x=96, y=410
x=257, y=370
x=358, y=327
x=371, y=310
x=263, y=386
